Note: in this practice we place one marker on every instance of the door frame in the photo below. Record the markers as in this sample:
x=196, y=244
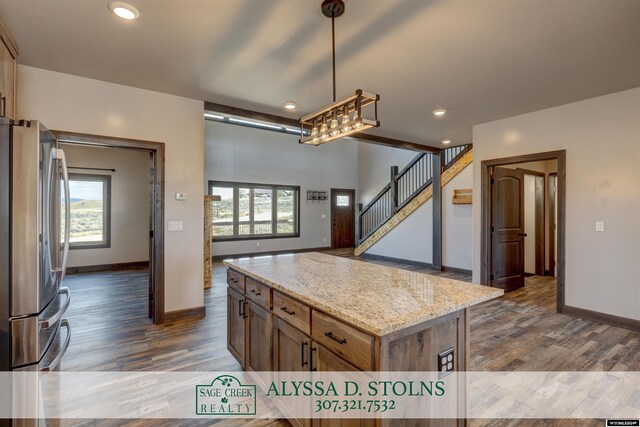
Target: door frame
x=486, y=167
x=353, y=211
x=156, y=187
x=552, y=224
x=539, y=209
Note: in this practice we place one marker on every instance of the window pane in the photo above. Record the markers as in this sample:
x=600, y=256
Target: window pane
x=243, y=211
x=223, y=211
x=87, y=211
x=342, y=200
x=262, y=208
x=286, y=201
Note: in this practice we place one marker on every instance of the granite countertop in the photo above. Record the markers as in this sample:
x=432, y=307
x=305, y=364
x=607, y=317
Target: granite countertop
x=376, y=298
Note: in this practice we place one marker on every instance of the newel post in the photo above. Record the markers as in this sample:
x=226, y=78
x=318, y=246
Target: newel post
x=358, y=223
x=394, y=188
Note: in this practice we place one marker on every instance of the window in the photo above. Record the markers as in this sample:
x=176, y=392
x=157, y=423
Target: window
x=90, y=211
x=251, y=211
x=342, y=201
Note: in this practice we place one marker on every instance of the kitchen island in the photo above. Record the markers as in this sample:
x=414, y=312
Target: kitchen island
x=314, y=311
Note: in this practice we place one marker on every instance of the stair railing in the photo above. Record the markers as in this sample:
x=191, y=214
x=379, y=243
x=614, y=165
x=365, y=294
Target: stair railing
x=403, y=186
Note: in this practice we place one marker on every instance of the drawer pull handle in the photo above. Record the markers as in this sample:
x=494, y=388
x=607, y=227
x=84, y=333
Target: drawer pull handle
x=253, y=291
x=302, y=346
x=338, y=340
x=290, y=313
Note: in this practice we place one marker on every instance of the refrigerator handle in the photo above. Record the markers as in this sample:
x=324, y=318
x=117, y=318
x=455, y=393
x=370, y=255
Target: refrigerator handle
x=67, y=211
x=64, y=323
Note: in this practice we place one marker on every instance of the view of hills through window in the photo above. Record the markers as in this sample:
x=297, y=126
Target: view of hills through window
x=255, y=216
x=87, y=211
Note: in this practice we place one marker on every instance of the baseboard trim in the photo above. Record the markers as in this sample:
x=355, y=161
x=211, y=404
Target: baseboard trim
x=457, y=270
x=255, y=254
x=610, y=319
x=108, y=267
x=187, y=313
x=375, y=257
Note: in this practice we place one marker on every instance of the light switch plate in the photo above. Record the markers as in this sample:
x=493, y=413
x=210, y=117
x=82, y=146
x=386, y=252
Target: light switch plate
x=175, y=226
x=599, y=225
x=323, y=216
x=181, y=196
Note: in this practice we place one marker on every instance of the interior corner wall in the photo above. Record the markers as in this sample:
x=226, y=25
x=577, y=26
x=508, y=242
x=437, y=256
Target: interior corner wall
x=456, y=223
x=77, y=104
x=411, y=239
x=129, y=205
x=374, y=168
x=243, y=154
x=600, y=136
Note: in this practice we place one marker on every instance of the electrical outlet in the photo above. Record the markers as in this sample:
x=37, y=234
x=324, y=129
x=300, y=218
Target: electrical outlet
x=181, y=196
x=599, y=225
x=446, y=362
x=257, y=243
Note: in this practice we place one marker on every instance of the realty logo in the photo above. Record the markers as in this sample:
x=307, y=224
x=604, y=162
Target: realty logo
x=225, y=396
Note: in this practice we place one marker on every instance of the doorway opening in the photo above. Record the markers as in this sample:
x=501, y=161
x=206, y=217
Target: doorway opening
x=343, y=212
x=523, y=222
x=118, y=200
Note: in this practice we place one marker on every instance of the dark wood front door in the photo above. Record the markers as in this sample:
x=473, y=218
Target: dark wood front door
x=507, y=229
x=342, y=218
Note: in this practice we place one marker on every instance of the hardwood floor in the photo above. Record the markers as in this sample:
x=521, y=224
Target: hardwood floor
x=519, y=331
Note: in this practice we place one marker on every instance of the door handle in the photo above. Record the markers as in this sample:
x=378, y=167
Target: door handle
x=522, y=234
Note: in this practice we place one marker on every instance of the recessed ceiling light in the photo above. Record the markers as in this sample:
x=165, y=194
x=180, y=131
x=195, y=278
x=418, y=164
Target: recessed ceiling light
x=440, y=112
x=290, y=105
x=124, y=10
x=446, y=141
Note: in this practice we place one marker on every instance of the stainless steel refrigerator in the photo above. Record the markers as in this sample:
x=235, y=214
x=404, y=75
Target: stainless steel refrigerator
x=34, y=246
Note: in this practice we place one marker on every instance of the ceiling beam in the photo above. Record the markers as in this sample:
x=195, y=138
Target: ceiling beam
x=364, y=137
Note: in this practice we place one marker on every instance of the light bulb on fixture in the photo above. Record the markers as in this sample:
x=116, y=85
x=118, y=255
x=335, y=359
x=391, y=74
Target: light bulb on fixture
x=323, y=129
x=334, y=124
x=345, y=120
x=314, y=132
x=440, y=112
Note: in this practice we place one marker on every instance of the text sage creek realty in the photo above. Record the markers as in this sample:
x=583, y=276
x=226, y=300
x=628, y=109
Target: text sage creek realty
x=352, y=388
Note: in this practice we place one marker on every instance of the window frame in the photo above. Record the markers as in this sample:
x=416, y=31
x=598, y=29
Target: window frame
x=106, y=199
x=274, y=210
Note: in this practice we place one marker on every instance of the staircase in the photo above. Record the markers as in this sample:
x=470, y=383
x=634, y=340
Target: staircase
x=406, y=191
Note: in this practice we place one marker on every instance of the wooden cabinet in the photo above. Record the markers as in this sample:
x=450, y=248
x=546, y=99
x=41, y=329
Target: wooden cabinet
x=259, y=345
x=290, y=348
x=8, y=56
x=236, y=325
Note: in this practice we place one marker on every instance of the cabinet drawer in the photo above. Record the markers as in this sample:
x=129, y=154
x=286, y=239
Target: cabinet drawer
x=292, y=311
x=258, y=292
x=352, y=344
x=235, y=280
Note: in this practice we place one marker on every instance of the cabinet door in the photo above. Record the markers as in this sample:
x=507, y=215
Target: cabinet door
x=7, y=81
x=259, y=338
x=326, y=361
x=236, y=325
x=290, y=348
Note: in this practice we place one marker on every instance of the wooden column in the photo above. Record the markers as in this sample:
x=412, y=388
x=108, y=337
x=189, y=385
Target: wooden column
x=208, y=235
x=437, y=211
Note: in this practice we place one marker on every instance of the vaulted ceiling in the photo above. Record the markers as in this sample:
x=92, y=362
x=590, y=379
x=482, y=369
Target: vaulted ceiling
x=481, y=59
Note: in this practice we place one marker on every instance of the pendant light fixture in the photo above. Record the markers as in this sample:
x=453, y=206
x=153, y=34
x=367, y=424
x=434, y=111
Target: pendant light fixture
x=344, y=117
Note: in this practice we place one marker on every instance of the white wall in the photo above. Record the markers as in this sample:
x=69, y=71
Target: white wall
x=77, y=104
x=456, y=223
x=412, y=239
x=374, y=168
x=129, y=203
x=242, y=154
x=602, y=139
